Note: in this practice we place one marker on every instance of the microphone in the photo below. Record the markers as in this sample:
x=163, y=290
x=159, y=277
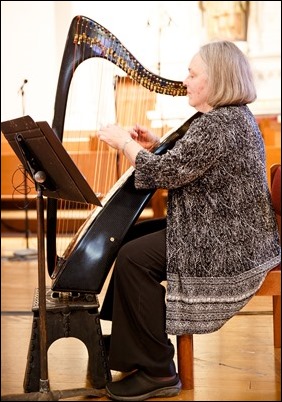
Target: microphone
x=25, y=82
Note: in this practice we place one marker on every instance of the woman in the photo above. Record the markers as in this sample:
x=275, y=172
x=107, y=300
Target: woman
x=220, y=238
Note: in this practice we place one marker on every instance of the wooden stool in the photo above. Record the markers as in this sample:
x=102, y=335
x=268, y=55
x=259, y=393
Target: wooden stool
x=68, y=316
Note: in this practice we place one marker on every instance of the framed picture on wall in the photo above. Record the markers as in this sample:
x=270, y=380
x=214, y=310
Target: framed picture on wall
x=225, y=19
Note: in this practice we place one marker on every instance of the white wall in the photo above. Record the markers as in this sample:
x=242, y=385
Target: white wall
x=33, y=36
x=27, y=52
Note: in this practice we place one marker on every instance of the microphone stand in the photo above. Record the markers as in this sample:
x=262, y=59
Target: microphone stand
x=28, y=252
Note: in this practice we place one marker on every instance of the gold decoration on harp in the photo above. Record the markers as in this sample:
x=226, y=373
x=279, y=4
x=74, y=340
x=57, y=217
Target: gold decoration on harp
x=93, y=37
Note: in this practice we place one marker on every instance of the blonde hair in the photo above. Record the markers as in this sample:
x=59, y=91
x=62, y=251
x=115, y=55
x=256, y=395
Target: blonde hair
x=229, y=73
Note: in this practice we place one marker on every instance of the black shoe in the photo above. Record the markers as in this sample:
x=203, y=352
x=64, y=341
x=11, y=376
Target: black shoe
x=138, y=386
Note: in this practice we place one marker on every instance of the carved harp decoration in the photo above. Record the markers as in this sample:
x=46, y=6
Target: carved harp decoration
x=86, y=261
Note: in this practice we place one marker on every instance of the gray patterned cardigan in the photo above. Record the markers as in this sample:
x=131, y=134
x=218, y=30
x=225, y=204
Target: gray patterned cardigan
x=222, y=236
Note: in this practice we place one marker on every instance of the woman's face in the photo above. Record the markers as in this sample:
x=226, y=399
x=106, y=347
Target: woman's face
x=197, y=84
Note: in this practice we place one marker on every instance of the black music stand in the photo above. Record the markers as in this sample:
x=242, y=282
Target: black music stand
x=56, y=176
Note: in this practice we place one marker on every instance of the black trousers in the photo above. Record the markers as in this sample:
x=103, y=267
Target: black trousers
x=135, y=303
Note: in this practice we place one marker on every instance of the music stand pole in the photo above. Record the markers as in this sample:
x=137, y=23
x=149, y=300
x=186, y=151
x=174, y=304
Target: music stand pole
x=40, y=177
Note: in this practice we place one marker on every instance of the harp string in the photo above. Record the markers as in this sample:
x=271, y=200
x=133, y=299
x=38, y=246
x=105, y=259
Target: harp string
x=98, y=85
x=96, y=161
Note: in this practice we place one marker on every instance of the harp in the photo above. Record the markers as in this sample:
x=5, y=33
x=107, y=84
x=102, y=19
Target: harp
x=86, y=261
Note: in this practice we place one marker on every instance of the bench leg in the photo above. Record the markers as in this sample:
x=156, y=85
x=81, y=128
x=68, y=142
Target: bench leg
x=185, y=359
x=276, y=300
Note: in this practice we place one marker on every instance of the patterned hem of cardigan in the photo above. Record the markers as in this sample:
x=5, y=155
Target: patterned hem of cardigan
x=261, y=269
x=201, y=318
x=215, y=290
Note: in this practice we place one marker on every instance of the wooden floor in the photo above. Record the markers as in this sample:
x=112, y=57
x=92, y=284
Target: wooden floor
x=236, y=363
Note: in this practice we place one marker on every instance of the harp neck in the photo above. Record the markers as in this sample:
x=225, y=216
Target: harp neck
x=86, y=39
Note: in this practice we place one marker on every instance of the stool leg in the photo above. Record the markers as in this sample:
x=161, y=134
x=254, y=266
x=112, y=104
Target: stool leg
x=98, y=371
x=32, y=372
x=185, y=358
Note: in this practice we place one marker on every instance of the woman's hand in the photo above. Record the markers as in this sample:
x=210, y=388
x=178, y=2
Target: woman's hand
x=114, y=136
x=117, y=137
x=144, y=137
